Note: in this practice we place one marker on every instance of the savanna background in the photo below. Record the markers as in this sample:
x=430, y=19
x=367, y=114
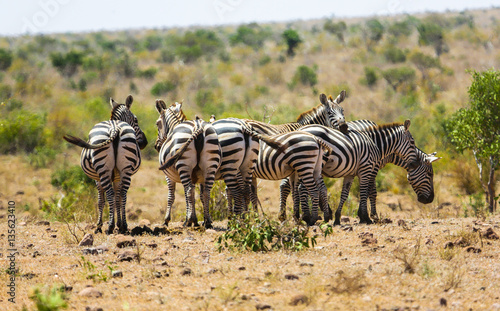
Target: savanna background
x=393, y=68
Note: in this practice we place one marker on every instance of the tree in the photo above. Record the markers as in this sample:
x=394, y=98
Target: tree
x=432, y=34
x=292, y=40
x=374, y=31
x=337, y=29
x=399, y=76
x=252, y=35
x=477, y=128
x=5, y=59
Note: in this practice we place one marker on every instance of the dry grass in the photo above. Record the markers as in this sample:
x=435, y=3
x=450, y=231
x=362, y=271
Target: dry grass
x=340, y=273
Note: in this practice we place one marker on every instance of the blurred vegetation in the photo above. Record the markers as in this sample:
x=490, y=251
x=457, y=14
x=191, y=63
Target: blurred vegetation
x=393, y=68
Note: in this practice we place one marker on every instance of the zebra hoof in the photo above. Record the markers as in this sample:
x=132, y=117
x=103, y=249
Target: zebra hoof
x=208, y=225
x=110, y=230
x=98, y=230
x=336, y=222
x=282, y=217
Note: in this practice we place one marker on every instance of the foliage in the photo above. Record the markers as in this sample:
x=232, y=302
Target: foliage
x=292, y=40
x=49, y=299
x=399, y=76
x=374, y=30
x=148, y=73
x=371, y=77
x=394, y=54
x=218, y=201
x=67, y=64
x=5, y=59
x=337, y=29
x=162, y=88
x=250, y=233
x=70, y=179
x=423, y=61
x=400, y=29
x=192, y=45
x=305, y=75
x=432, y=34
x=477, y=127
x=252, y=35
x=21, y=131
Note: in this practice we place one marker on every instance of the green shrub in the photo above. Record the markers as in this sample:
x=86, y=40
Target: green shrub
x=250, y=233
x=371, y=76
x=152, y=42
x=49, y=298
x=5, y=59
x=68, y=63
x=401, y=29
x=374, y=30
x=394, y=54
x=252, y=35
x=167, y=56
x=70, y=179
x=305, y=75
x=218, y=201
x=148, y=73
x=337, y=29
x=162, y=88
x=42, y=156
x=5, y=92
x=400, y=76
x=264, y=60
x=432, y=34
x=21, y=130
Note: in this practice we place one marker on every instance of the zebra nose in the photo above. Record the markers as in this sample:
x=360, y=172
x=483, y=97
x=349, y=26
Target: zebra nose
x=426, y=199
x=344, y=128
x=142, y=142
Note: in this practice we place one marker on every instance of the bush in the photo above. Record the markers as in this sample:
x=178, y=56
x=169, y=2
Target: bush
x=394, y=54
x=401, y=29
x=167, y=56
x=70, y=179
x=432, y=34
x=162, y=88
x=374, y=30
x=371, y=76
x=49, y=299
x=251, y=35
x=399, y=76
x=305, y=75
x=21, y=130
x=68, y=63
x=337, y=29
x=292, y=40
x=250, y=233
x=5, y=59
x=148, y=73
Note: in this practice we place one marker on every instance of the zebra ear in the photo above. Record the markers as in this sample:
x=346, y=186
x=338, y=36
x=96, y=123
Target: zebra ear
x=129, y=101
x=113, y=103
x=322, y=99
x=341, y=97
x=431, y=157
x=407, y=124
x=160, y=105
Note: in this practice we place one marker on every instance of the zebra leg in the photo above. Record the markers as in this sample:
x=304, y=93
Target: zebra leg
x=205, y=198
x=346, y=187
x=124, y=186
x=304, y=201
x=229, y=196
x=312, y=188
x=110, y=196
x=101, y=201
x=296, y=203
x=191, y=219
x=323, y=200
x=364, y=187
x=373, y=200
x=170, y=200
x=253, y=194
x=284, y=192
x=118, y=203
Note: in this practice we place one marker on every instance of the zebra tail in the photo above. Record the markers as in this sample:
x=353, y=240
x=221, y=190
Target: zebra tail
x=265, y=138
x=180, y=151
x=324, y=145
x=81, y=143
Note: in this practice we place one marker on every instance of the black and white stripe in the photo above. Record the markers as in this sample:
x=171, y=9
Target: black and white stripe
x=111, y=157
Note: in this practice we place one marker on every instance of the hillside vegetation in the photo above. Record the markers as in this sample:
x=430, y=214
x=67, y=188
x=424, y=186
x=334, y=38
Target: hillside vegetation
x=393, y=68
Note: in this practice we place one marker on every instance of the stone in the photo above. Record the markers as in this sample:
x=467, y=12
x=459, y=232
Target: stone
x=93, y=309
x=489, y=234
x=368, y=241
x=88, y=240
x=443, y=302
x=262, y=306
x=90, y=292
x=127, y=256
x=144, y=222
x=291, y=277
x=117, y=274
x=124, y=241
x=42, y=223
x=345, y=219
x=299, y=299
x=186, y=271
x=160, y=230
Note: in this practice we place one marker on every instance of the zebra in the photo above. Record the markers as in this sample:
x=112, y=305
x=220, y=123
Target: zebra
x=358, y=153
x=328, y=113
x=420, y=178
x=110, y=158
x=189, y=153
x=232, y=135
x=301, y=159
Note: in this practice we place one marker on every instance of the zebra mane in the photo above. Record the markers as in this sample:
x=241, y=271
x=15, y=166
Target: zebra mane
x=115, y=109
x=384, y=126
x=310, y=114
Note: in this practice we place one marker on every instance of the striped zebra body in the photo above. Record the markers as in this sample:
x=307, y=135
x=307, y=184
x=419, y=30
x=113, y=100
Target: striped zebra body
x=420, y=179
x=301, y=159
x=358, y=153
x=111, y=157
x=190, y=153
x=329, y=113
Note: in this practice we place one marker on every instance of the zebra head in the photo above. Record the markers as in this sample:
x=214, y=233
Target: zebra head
x=409, y=151
x=334, y=111
x=169, y=118
x=422, y=178
x=122, y=112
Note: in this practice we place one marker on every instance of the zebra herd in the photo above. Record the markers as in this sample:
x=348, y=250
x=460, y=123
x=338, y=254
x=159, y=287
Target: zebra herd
x=238, y=151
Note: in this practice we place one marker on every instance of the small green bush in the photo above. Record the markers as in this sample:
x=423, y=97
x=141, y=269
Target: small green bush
x=252, y=35
x=292, y=40
x=148, y=73
x=394, y=54
x=371, y=77
x=49, y=299
x=305, y=75
x=162, y=88
x=68, y=63
x=250, y=233
x=21, y=130
x=5, y=59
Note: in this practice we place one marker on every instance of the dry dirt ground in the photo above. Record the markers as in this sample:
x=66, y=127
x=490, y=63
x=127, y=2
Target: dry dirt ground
x=419, y=264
